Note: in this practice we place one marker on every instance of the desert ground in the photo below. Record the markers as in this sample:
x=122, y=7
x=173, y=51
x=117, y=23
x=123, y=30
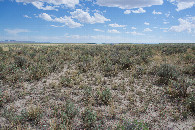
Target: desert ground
x=81, y=86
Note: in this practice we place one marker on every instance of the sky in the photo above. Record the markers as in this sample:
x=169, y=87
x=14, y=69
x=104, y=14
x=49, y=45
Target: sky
x=98, y=21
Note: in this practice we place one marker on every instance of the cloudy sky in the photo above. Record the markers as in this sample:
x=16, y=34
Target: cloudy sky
x=78, y=21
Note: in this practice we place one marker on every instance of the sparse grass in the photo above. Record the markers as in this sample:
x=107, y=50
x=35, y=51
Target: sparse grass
x=96, y=86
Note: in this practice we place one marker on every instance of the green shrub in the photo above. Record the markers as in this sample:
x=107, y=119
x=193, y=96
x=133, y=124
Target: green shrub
x=87, y=94
x=188, y=58
x=178, y=88
x=65, y=81
x=166, y=72
x=138, y=72
x=1, y=98
x=69, y=113
x=134, y=125
x=89, y=119
x=190, y=103
x=20, y=61
x=190, y=69
x=126, y=63
x=104, y=96
x=32, y=55
x=32, y=114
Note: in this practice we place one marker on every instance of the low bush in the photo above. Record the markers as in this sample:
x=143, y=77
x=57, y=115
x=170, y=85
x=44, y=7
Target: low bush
x=32, y=114
x=104, y=96
x=89, y=119
x=190, y=103
x=178, y=88
x=65, y=81
x=87, y=95
x=69, y=113
x=20, y=61
x=139, y=71
x=189, y=69
x=166, y=73
x=134, y=125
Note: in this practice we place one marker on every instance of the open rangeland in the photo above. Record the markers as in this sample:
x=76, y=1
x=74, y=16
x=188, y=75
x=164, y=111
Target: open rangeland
x=69, y=86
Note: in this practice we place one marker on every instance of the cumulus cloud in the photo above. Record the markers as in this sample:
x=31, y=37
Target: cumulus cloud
x=26, y=16
x=133, y=27
x=40, y=5
x=113, y=31
x=147, y=23
x=187, y=24
x=165, y=22
x=16, y=31
x=57, y=26
x=183, y=4
x=85, y=17
x=154, y=12
x=168, y=14
x=129, y=4
x=50, y=4
x=138, y=11
x=147, y=30
x=45, y=16
x=115, y=25
x=66, y=20
x=98, y=30
x=135, y=33
x=127, y=11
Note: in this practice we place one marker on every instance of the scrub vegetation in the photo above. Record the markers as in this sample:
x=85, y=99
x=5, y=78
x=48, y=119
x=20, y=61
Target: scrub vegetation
x=122, y=86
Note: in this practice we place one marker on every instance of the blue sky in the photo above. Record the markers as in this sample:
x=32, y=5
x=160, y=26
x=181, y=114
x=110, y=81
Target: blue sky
x=81, y=21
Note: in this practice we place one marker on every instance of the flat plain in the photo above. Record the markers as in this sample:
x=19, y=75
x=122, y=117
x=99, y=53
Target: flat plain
x=72, y=86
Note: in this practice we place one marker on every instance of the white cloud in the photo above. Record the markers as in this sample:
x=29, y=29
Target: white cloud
x=165, y=22
x=127, y=11
x=135, y=33
x=39, y=3
x=168, y=14
x=85, y=17
x=187, y=24
x=26, y=16
x=15, y=31
x=113, y=31
x=147, y=30
x=45, y=17
x=66, y=20
x=133, y=27
x=183, y=4
x=98, y=30
x=147, y=23
x=129, y=4
x=140, y=10
x=57, y=26
x=116, y=25
x=154, y=12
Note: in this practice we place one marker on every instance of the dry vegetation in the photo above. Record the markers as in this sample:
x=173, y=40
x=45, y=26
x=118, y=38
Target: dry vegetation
x=97, y=86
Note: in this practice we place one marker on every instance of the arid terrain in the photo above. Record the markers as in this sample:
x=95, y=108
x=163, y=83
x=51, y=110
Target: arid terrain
x=123, y=86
